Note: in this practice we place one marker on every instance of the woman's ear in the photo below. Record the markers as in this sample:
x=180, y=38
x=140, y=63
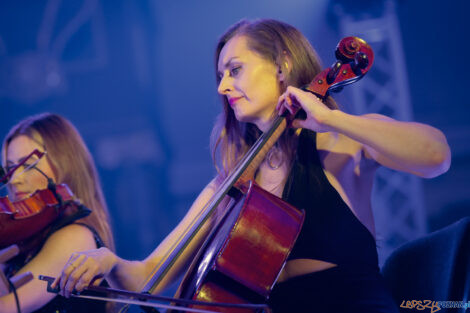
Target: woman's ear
x=284, y=68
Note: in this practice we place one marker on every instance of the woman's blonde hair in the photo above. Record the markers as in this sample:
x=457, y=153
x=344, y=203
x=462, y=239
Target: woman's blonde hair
x=277, y=42
x=71, y=163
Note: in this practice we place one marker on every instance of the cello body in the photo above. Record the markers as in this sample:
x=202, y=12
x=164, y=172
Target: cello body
x=245, y=254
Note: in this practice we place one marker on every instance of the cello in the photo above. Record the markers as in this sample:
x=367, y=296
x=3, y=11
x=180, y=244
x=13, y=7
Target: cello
x=221, y=272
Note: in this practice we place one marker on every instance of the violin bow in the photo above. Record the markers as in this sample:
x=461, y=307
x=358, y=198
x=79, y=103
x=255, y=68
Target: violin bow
x=6, y=176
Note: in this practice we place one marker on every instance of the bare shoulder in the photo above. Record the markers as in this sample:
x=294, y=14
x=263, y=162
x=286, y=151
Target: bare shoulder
x=58, y=248
x=337, y=150
x=71, y=237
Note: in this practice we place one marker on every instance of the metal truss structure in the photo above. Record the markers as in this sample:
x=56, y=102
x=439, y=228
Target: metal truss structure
x=397, y=197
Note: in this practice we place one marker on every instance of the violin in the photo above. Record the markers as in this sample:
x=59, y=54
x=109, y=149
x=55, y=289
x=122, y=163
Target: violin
x=244, y=254
x=26, y=222
x=20, y=220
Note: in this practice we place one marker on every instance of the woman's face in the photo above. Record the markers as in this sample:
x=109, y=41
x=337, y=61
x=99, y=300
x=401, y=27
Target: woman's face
x=249, y=82
x=23, y=184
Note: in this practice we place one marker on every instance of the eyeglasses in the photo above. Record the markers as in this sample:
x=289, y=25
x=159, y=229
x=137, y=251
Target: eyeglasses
x=28, y=163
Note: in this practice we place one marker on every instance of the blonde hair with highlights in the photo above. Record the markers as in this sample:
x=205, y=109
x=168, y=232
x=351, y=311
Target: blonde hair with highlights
x=72, y=165
x=279, y=43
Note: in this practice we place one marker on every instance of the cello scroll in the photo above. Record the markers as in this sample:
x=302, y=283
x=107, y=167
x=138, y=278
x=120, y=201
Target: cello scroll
x=354, y=59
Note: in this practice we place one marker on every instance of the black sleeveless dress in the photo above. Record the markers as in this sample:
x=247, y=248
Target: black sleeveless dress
x=331, y=233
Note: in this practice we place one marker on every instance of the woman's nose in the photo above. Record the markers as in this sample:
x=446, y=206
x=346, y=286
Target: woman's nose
x=14, y=180
x=17, y=177
x=224, y=85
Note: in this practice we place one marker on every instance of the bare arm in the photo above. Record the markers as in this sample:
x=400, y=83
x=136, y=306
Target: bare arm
x=406, y=146
x=82, y=268
x=151, y=263
x=49, y=261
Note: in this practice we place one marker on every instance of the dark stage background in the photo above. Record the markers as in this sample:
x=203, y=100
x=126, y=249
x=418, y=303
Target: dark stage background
x=137, y=80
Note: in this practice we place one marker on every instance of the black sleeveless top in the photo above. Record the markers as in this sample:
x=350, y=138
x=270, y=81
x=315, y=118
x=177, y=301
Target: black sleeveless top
x=331, y=232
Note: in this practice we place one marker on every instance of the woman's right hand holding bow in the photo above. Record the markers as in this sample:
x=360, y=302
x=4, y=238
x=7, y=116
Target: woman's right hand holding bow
x=85, y=268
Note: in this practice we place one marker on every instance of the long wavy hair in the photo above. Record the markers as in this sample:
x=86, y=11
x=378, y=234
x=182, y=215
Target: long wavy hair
x=277, y=42
x=71, y=163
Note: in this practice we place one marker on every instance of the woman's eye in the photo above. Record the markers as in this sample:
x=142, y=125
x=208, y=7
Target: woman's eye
x=235, y=70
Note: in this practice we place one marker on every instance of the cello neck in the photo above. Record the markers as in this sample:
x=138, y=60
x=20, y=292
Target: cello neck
x=246, y=169
x=240, y=175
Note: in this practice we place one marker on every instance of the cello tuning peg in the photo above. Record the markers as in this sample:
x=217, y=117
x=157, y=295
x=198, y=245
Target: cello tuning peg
x=333, y=72
x=361, y=61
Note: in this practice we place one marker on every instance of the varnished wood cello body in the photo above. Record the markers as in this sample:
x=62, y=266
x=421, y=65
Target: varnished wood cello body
x=246, y=252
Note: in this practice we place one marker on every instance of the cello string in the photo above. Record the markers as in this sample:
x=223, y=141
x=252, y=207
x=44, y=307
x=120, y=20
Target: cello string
x=196, y=224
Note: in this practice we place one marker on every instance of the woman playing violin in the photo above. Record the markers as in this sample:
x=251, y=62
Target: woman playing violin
x=324, y=165
x=68, y=161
